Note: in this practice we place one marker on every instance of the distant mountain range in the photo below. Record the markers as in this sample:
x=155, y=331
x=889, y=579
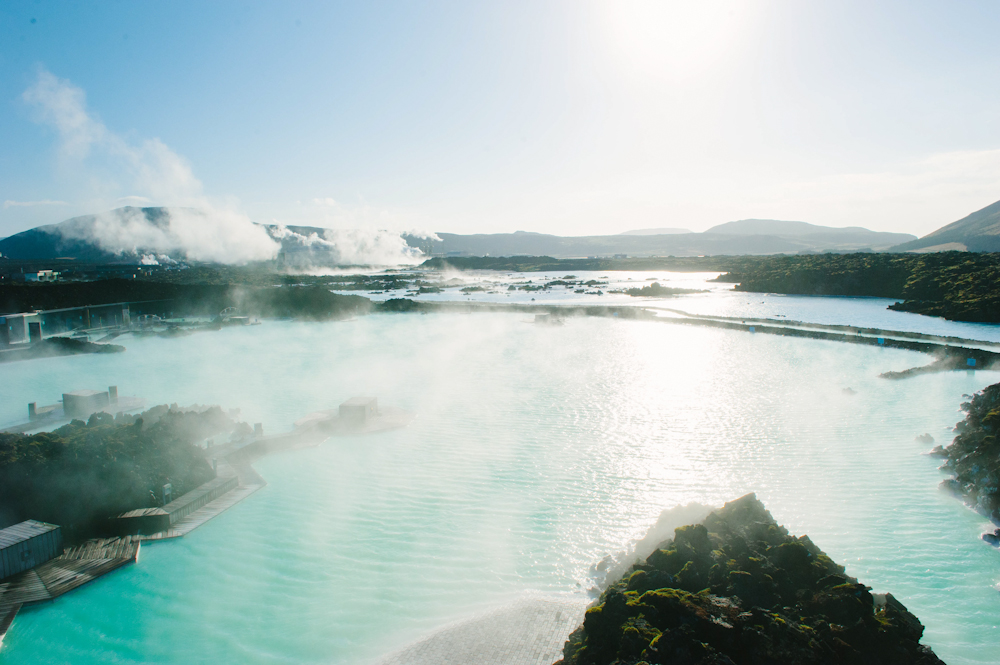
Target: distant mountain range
x=654, y=232
x=76, y=238
x=68, y=239
x=131, y=235
x=748, y=236
x=979, y=232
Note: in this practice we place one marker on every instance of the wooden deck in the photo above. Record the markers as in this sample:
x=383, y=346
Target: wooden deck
x=81, y=564
x=6, y=619
x=329, y=423
x=74, y=568
x=211, y=509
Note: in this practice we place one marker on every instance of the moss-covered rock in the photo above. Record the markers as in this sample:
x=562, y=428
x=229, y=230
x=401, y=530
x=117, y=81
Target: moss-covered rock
x=738, y=589
x=974, y=455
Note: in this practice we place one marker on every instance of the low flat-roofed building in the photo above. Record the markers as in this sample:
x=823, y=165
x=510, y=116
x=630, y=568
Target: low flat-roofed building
x=42, y=276
x=28, y=544
x=82, y=403
x=359, y=409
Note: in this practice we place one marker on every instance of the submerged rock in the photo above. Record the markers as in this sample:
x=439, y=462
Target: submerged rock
x=993, y=538
x=925, y=438
x=738, y=589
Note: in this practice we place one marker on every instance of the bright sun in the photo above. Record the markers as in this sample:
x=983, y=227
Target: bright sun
x=671, y=39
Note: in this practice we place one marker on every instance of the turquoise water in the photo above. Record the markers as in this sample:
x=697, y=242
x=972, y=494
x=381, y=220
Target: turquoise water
x=537, y=451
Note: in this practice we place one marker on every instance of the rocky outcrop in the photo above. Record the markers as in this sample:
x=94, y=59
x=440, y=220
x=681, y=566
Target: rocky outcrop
x=738, y=589
x=974, y=455
x=56, y=346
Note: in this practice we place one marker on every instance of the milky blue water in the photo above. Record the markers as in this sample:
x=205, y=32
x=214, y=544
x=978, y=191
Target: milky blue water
x=536, y=451
x=715, y=299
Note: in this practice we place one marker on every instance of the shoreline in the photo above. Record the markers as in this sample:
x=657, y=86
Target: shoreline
x=96, y=557
x=973, y=460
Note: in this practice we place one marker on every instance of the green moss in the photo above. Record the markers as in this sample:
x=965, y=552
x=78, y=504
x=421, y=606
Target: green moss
x=767, y=613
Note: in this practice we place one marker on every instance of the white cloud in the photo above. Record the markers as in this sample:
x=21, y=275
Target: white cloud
x=916, y=197
x=149, y=166
x=197, y=227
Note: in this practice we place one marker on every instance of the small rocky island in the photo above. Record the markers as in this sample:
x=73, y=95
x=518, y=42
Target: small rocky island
x=656, y=290
x=738, y=589
x=974, y=456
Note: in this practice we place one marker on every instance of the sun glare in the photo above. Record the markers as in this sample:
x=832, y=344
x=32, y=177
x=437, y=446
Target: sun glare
x=672, y=40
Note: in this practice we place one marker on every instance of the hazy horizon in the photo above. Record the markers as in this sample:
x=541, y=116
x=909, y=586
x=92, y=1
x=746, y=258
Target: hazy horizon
x=561, y=118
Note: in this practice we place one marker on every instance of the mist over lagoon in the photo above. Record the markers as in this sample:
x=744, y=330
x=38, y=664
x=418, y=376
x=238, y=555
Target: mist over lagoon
x=536, y=452
x=617, y=332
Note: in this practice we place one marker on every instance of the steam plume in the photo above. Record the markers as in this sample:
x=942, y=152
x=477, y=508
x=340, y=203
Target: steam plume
x=194, y=227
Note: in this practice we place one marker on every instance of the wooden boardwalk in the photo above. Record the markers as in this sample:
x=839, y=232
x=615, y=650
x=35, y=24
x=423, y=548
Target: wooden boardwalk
x=6, y=619
x=211, y=509
x=73, y=568
x=81, y=564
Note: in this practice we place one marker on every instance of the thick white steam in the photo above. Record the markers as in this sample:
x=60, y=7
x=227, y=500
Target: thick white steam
x=193, y=226
x=338, y=247
x=211, y=235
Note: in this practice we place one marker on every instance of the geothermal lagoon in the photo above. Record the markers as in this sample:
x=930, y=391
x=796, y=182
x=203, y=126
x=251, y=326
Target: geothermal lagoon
x=537, y=451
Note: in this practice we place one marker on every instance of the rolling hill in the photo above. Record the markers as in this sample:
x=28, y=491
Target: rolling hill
x=76, y=238
x=978, y=232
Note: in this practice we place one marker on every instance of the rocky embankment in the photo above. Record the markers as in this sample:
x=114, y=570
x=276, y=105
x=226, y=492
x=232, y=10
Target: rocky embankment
x=57, y=346
x=738, y=589
x=974, y=456
x=959, y=286
x=308, y=302
x=83, y=473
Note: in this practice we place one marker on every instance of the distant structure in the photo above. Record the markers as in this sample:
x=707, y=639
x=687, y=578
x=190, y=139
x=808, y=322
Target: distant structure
x=146, y=521
x=77, y=404
x=359, y=410
x=42, y=276
x=26, y=545
x=29, y=327
x=82, y=403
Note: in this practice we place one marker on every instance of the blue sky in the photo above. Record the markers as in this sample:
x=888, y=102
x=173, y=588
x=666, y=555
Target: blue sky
x=562, y=117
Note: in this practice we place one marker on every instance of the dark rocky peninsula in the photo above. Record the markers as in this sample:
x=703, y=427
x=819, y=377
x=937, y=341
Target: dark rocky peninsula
x=738, y=589
x=974, y=456
x=959, y=286
x=187, y=299
x=83, y=473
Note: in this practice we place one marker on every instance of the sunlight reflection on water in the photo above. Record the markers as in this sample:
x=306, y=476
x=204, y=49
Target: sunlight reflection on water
x=537, y=451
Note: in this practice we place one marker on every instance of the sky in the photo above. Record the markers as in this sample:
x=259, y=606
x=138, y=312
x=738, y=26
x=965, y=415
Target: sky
x=567, y=117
